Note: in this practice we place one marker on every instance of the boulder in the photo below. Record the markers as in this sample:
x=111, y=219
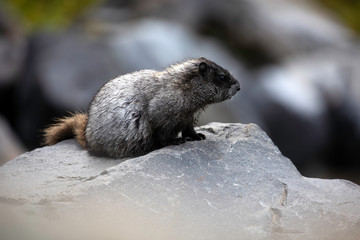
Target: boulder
x=261, y=32
x=236, y=184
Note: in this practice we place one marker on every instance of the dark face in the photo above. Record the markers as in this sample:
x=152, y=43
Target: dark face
x=224, y=84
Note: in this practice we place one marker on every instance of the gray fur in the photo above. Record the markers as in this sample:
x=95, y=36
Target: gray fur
x=145, y=110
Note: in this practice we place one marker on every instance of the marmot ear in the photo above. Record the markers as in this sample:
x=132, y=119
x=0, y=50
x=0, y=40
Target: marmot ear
x=202, y=68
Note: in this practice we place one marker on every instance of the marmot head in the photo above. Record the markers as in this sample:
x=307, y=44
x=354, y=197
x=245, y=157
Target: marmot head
x=202, y=81
x=215, y=81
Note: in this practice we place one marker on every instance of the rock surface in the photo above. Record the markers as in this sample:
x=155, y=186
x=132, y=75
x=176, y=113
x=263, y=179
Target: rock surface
x=236, y=184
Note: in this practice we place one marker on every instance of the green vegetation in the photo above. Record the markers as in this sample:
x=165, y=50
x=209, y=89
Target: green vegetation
x=347, y=10
x=47, y=14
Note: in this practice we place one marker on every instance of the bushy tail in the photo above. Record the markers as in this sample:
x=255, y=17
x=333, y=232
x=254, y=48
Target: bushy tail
x=67, y=127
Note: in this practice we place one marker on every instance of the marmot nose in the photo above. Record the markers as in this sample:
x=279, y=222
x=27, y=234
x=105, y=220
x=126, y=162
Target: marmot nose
x=238, y=89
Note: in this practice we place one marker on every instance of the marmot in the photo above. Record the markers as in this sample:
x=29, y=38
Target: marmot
x=136, y=113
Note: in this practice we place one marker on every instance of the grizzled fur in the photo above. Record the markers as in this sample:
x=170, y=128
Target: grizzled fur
x=145, y=110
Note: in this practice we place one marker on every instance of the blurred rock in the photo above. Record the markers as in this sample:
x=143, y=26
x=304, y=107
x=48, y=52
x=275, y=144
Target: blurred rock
x=71, y=68
x=11, y=58
x=154, y=44
x=309, y=105
x=12, y=49
x=235, y=183
x=259, y=32
x=284, y=28
x=10, y=146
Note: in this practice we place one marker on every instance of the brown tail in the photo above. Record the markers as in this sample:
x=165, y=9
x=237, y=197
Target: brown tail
x=67, y=127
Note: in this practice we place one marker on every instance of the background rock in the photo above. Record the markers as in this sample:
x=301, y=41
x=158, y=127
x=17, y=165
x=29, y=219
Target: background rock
x=69, y=79
x=308, y=104
x=235, y=183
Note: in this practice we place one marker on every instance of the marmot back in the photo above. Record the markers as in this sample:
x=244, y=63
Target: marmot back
x=136, y=113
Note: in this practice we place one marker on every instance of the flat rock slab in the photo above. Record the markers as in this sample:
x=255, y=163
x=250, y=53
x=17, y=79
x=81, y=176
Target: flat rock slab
x=234, y=185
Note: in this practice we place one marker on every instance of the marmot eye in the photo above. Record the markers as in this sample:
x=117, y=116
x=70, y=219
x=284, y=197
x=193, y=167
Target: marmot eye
x=222, y=76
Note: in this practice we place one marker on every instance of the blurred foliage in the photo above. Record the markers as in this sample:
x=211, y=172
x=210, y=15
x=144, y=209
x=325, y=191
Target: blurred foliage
x=47, y=14
x=347, y=10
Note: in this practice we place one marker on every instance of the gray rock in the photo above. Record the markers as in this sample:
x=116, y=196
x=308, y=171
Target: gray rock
x=278, y=28
x=236, y=184
x=304, y=104
x=72, y=67
x=154, y=44
x=12, y=48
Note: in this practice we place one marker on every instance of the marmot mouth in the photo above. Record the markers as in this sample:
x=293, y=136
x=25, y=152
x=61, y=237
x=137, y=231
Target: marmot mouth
x=232, y=91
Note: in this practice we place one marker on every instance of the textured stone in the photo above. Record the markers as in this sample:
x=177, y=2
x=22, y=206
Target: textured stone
x=235, y=184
